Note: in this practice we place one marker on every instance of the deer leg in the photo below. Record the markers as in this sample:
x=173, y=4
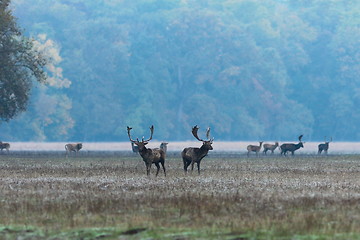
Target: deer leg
x=163, y=166
x=148, y=166
x=158, y=168
x=198, y=166
x=192, y=165
x=186, y=164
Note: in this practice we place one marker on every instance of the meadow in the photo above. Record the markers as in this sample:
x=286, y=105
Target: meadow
x=110, y=197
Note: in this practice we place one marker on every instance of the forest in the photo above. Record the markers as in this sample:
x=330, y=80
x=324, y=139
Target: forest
x=249, y=69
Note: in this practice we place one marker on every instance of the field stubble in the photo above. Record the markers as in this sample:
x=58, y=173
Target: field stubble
x=283, y=196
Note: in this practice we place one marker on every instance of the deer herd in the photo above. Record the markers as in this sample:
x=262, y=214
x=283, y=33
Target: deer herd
x=190, y=155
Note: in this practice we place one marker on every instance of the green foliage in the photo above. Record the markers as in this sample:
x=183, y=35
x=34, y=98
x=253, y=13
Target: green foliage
x=249, y=69
x=20, y=63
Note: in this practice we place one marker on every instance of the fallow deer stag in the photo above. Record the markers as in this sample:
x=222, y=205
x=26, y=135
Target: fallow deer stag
x=193, y=155
x=324, y=146
x=149, y=156
x=270, y=147
x=253, y=148
x=291, y=147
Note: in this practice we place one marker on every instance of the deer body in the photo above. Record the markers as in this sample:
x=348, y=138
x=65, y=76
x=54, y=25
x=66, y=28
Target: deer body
x=153, y=156
x=73, y=147
x=253, y=148
x=291, y=147
x=324, y=146
x=4, y=145
x=270, y=147
x=150, y=156
x=193, y=155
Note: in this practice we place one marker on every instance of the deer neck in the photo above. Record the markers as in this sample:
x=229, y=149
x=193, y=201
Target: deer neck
x=297, y=146
x=203, y=151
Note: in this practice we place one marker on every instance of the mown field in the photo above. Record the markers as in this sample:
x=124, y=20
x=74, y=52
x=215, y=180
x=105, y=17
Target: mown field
x=301, y=197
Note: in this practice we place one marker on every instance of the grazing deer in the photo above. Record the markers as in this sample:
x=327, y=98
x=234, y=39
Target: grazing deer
x=324, y=146
x=148, y=155
x=163, y=146
x=4, y=145
x=270, y=147
x=134, y=148
x=291, y=147
x=193, y=155
x=253, y=148
x=72, y=147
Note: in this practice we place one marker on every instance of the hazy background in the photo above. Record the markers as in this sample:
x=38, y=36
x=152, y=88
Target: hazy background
x=251, y=70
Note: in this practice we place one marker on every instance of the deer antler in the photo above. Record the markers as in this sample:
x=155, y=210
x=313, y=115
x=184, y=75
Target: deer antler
x=300, y=137
x=208, y=133
x=194, y=132
x=128, y=131
x=151, y=134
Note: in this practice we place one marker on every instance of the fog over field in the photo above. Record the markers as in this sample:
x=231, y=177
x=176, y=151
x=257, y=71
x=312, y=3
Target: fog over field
x=234, y=147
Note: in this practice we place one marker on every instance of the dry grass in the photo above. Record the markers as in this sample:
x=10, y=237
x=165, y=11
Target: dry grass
x=273, y=196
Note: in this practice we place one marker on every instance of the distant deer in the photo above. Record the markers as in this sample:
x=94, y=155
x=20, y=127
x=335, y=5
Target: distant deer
x=163, y=146
x=193, y=155
x=149, y=156
x=291, y=147
x=253, y=148
x=72, y=147
x=134, y=148
x=324, y=146
x=270, y=147
x=4, y=145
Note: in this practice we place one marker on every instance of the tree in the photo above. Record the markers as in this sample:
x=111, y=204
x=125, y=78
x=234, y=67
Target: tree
x=20, y=64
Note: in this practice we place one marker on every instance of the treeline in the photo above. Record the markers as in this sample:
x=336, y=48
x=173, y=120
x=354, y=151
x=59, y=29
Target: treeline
x=249, y=69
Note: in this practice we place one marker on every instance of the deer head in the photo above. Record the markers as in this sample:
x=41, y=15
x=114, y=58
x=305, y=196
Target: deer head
x=206, y=143
x=300, y=142
x=328, y=141
x=141, y=144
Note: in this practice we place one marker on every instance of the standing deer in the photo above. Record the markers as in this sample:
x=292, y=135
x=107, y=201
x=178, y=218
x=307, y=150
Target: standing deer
x=270, y=147
x=148, y=155
x=291, y=147
x=4, y=145
x=253, y=148
x=324, y=146
x=193, y=155
x=163, y=146
x=72, y=147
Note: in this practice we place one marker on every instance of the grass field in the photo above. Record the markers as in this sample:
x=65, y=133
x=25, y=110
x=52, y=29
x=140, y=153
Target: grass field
x=301, y=197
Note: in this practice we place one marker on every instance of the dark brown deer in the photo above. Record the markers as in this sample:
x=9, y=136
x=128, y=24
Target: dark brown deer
x=253, y=148
x=270, y=147
x=324, y=146
x=291, y=147
x=193, y=155
x=149, y=156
